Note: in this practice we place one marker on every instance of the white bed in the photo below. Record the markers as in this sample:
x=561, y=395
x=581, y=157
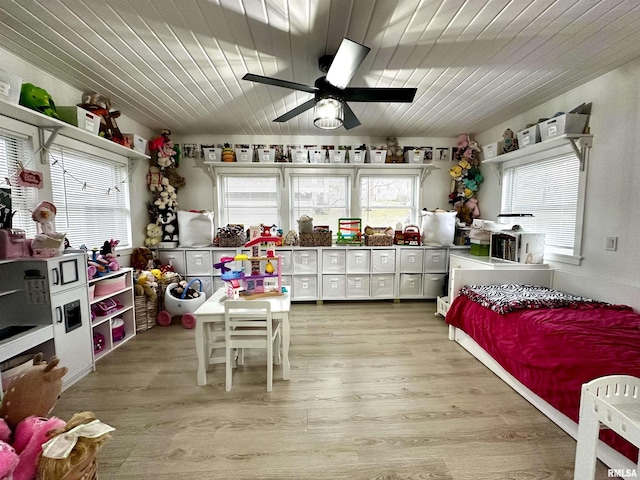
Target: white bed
x=461, y=277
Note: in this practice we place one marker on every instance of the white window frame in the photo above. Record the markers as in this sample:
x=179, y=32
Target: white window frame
x=574, y=257
x=414, y=175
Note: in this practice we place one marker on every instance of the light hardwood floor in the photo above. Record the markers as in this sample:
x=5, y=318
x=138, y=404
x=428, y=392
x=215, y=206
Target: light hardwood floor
x=376, y=392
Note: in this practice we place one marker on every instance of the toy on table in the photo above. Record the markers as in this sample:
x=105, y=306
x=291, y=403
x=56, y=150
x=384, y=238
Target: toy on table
x=349, y=231
x=181, y=299
x=267, y=281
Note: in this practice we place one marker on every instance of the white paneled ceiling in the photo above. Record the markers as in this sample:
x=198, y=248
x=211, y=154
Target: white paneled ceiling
x=179, y=64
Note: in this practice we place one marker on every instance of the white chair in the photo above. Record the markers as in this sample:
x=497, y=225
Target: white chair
x=248, y=324
x=614, y=402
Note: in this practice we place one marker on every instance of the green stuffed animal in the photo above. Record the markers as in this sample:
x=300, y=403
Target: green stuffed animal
x=38, y=99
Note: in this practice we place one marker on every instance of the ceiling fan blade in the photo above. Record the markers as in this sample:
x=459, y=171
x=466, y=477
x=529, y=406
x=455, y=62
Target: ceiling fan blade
x=279, y=83
x=350, y=119
x=402, y=95
x=296, y=111
x=348, y=58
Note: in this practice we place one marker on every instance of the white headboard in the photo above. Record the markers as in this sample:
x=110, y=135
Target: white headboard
x=462, y=277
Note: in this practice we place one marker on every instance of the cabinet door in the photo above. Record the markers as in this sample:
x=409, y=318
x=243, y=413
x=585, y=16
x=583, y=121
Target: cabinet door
x=175, y=258
x=383, y=261
x=199, y=262
x=411, y=260
x=333, y=260
x=305, y=261
x=72, y=337
x=435, y=260
x=358, y=261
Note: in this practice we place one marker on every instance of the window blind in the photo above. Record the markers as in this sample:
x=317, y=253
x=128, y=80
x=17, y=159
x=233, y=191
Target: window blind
x=91, y=197
x=249, y=200
x=549, y=189
x=323, y=198
x=14, y=150
x=387, y=200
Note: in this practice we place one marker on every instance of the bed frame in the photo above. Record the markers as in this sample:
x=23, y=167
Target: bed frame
x=460, y=277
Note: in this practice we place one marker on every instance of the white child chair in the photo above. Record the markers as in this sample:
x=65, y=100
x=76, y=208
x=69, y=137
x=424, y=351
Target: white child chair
x=248, y=324
x=614, y=402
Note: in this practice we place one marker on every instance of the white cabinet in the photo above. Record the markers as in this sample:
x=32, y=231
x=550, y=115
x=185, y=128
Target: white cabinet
x=113, y=317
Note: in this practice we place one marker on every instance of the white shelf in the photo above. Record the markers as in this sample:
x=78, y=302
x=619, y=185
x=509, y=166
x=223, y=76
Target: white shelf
x=560, y=140
x=37, y=119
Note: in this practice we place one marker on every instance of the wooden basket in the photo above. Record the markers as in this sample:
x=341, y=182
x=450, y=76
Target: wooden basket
x=233, y=240
x=315, y=239
x=145, y=312
x=378, y=240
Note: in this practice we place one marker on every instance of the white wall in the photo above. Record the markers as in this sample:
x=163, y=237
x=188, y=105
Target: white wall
x=63, y=94
x=613, y=183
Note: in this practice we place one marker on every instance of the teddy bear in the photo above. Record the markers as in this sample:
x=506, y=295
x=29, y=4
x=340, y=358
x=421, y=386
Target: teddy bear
x=142, y=259
x=27, y=402
x=395, y=154
x=305, y=224
x=146, y=285
x=509, y=141
x=154, y=235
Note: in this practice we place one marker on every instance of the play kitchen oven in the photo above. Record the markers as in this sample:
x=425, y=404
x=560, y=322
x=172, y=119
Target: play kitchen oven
x=45, y=307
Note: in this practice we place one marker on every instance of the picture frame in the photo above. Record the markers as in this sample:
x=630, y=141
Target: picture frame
x=443, y=154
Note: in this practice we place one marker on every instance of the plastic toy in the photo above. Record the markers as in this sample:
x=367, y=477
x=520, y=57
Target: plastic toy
x=349, y=231
x=185, y=305
x=38, y=99
x=47, y=242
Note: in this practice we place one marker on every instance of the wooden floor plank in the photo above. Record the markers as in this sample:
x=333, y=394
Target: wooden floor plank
x=376, y=392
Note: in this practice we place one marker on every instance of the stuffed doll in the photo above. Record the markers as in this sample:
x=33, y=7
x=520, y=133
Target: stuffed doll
x=395, y=153
x=70, y=453
x=29, y=398
x=305, y=224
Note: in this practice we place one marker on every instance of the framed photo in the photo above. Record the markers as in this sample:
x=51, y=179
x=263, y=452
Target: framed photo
x=443, y=154
x=190, y=150
x=428, y=154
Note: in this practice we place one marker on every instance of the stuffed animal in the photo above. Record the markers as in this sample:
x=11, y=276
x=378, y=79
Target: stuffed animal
x=142, y=258
x=70, y=453
x=29, y=398
x=291, y=238
x=395, y=154
x=38, y=99
x=175, y=179
x=146, y=285
x=154, y=235
x=100, y=105
x=305, y=224
x=107, y=252
x=509, y=141
x=168, y=221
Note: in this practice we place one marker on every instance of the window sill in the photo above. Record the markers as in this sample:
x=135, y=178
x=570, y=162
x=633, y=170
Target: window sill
x=563, y=258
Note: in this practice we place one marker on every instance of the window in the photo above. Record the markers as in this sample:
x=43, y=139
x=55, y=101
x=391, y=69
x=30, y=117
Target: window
x=550, y=190
x=323, y=198
x=249, y=200
x=14, y=150
x=387, y=200
x=91, y=197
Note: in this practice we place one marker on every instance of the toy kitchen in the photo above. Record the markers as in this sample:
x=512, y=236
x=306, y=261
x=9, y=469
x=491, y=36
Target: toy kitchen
x=44, y=307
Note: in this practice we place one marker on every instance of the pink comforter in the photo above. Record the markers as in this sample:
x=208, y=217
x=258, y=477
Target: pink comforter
x=554, y=351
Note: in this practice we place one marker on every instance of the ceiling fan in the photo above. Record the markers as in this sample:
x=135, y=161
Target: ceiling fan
x=331, y=92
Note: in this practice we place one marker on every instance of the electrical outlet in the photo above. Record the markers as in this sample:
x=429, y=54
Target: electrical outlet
x=612, y=244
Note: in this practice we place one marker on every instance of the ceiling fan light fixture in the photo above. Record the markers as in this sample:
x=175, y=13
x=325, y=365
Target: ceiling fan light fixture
x=328, y=113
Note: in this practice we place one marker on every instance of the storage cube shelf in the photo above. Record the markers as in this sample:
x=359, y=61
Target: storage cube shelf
x=340, y=272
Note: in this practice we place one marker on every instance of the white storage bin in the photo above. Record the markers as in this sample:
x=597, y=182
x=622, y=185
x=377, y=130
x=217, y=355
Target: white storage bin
x=175, y=258
x=358, y=261
x=212, y=154
x=567, y=123
x=286, y=260
x=337, y=156
x=333, y=261
x=305, y=287
x=81, y=118
x=492, y=150
x=299, y=156
x=357, y=286
x=357, y=156
x=199, y=262
x=377, y=156
x=207, y=283
x=334, y=286
x=10, y=85
x=528, y=136
x=411, y=260
x=411, y=285
x=305, y=261
x=414, y=156
x=317, y=156
x=381, y=286
x=383, y=261
x=435, y=260
x=433, y=284
x=266, y=155
x=136, y=142
x=244, y=155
